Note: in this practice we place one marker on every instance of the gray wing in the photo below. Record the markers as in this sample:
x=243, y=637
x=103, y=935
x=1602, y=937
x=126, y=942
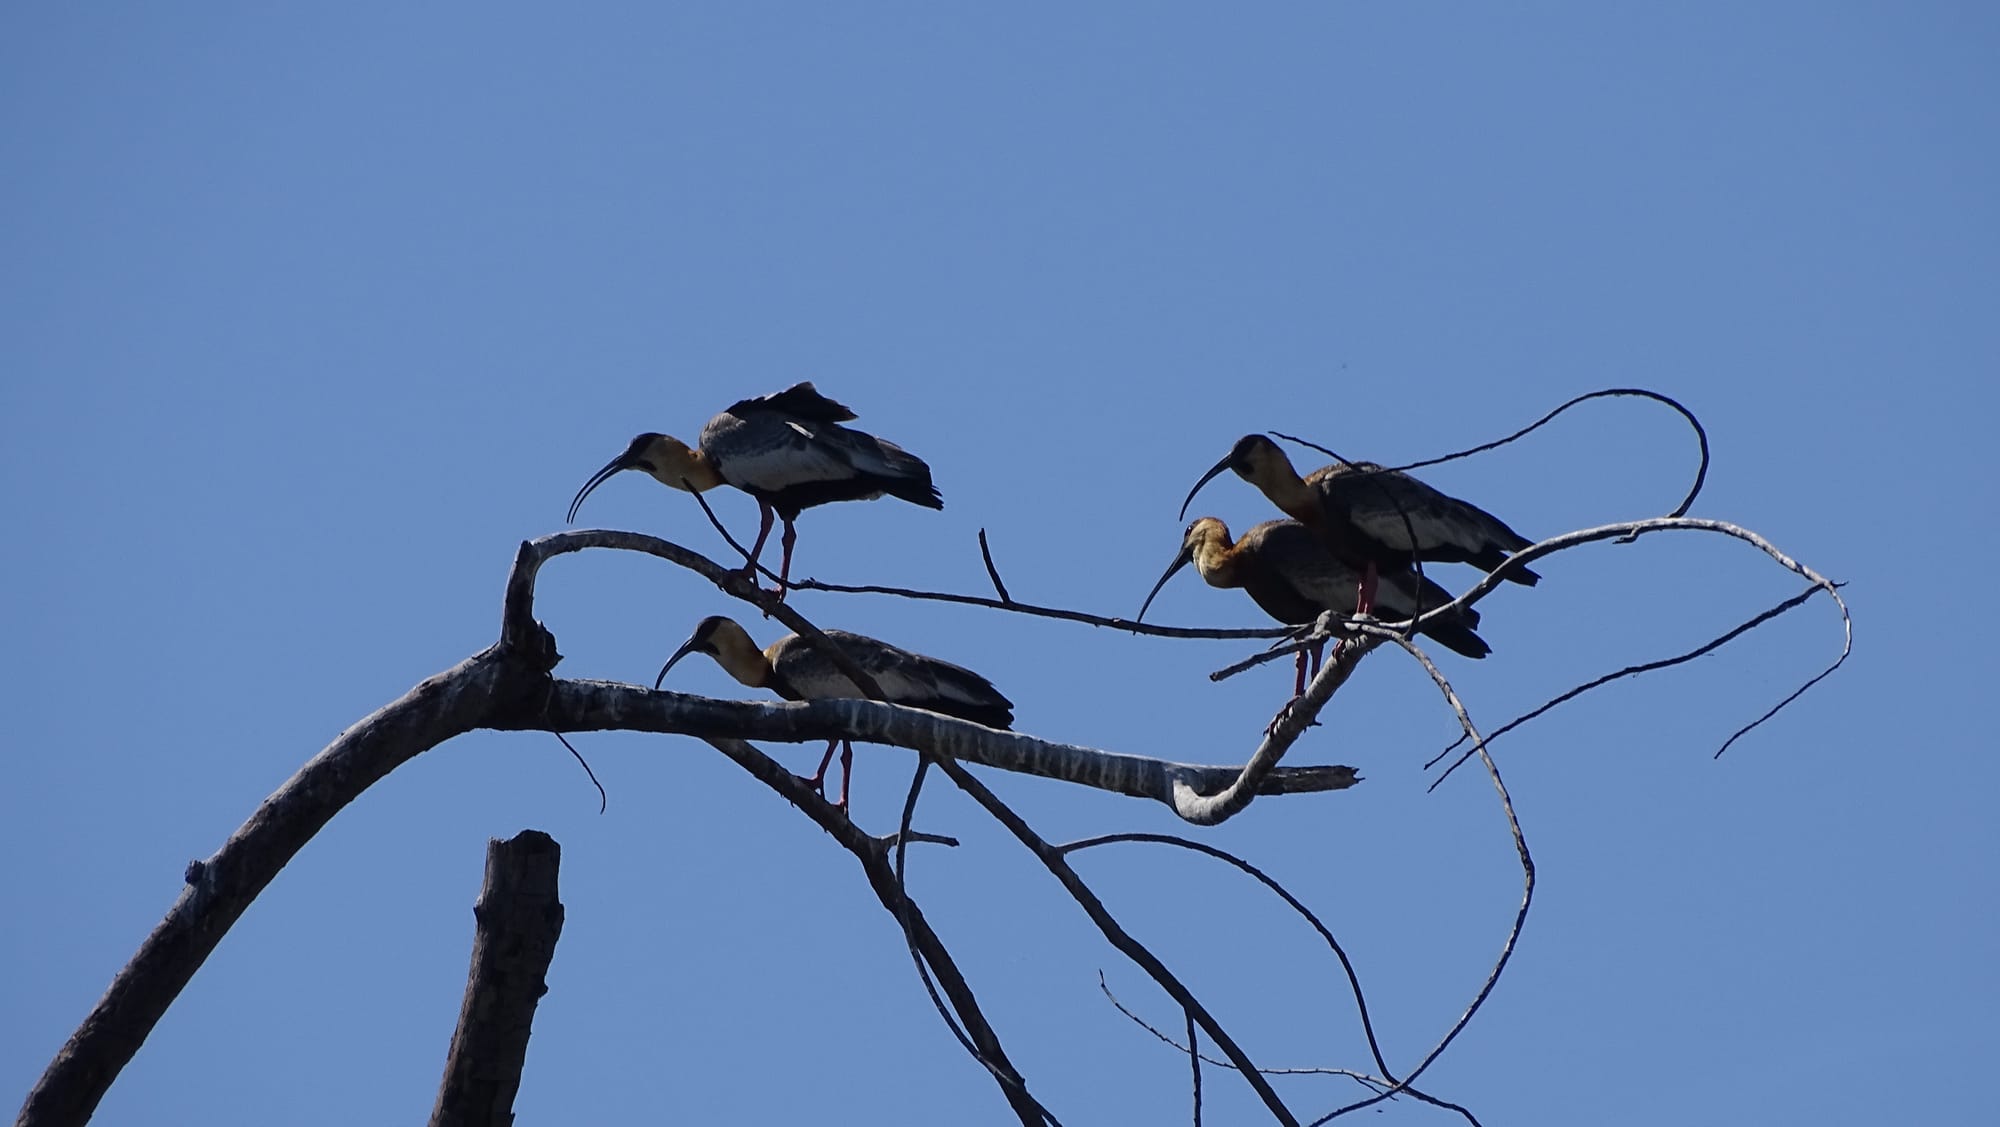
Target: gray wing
x=770, y=450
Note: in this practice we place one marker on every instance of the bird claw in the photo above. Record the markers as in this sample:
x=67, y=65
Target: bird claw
x=818, y=784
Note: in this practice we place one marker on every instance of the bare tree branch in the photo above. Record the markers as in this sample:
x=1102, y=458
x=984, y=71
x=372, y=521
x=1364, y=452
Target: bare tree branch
x=518, y=919
x=1700, y=434
x=220, y=888
x=1710, y=646
x=1084, y=617
x=1325, y=933
x=1194, y=1062
x=976, y=1034
x=507, y=687
x=993, y=573
x=1372, y=1083
x=583, y=706
x=1059, y=866
x=1520, y=915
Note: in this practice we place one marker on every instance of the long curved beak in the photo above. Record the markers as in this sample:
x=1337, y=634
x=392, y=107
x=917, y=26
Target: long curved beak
x=623, y=461
x=1185, y=558
x=687, y=648
x=1217, y=468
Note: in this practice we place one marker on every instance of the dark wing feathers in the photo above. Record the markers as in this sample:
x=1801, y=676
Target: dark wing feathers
x=908, y=678
x=800, y=399
x=791, y=449
x=1387, y=506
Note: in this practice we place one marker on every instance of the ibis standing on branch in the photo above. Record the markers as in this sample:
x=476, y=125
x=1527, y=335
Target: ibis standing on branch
x=1285, y=570
x=789, y=451
x=1373, y=519
x=796, y=669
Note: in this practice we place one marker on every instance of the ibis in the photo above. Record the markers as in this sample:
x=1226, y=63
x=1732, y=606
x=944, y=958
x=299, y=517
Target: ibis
x=789, y=451
x=796, y=669
x=1373, y=519
x=1285, y=570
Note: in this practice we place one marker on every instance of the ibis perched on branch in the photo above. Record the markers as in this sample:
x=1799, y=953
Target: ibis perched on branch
x=1373, y=519
x=1285, y=570
x=789, y=451
x=796, y=669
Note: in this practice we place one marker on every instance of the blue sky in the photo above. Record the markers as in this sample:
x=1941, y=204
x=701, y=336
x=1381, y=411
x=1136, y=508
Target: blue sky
x=310, y=317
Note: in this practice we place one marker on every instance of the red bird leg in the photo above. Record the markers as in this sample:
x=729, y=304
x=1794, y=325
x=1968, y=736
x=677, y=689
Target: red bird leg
x=1364, y=600
x=1319, y=652
x=1299, y=682
x=764, y=515
x=846, y=771
x=818, y=781
x=789, y=538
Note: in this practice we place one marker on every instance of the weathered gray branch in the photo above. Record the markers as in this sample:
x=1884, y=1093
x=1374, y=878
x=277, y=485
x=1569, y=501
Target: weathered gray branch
x=518, y=919
x=583, y=706
x=220, y=888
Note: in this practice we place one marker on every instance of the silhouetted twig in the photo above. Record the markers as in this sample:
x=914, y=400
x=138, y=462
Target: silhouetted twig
x=603, y=799
x=993, y=573
x=1325, y=933
x=1053, y=860
x=1040, y=611
x=1700, y=433
x=1629, y=671
x=1527, y=889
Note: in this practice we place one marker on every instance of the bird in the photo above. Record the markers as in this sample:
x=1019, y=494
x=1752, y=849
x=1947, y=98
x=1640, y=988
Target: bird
x=789, y=451
x=1371, y=518
x=1285, y=570
x=796, y=669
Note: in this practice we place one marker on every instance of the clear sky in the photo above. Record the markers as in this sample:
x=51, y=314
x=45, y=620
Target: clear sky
x=309, y=317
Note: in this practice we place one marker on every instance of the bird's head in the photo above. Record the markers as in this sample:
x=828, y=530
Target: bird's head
x=729, y=644
x=666, y=458
x=1201, y=533
x=1257, y=460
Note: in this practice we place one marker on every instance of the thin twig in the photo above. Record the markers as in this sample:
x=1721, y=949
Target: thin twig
x=1086, y=618
x=731, y=540
x=979, y=1036
x=1527, y=887
x=917, y=837
x=1131, y=948
x=1628, y=671
x=1325, y=933
x=603, y=799
x=993, y=573
x=1194, y=1058
x=1302, y=638
x=1628, y=531
x=1370, y=1082
x=1700, y=433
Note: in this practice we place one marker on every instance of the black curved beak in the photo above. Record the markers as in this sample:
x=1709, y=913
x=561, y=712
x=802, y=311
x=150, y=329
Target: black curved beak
x=627, y=461
x=1205, y=479
x=1185, y=558
x=687, y=648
